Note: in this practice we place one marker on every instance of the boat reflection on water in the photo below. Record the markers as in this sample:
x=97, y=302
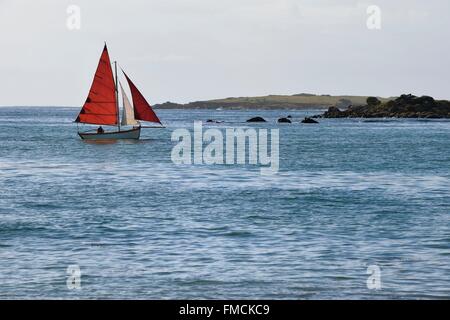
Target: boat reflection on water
x=115, y=141
x=100, y=142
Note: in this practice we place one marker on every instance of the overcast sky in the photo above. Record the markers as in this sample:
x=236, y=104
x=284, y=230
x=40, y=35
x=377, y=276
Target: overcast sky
x=187, y=50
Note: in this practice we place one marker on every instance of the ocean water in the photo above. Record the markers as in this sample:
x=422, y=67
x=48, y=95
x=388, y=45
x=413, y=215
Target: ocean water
x=349, y=194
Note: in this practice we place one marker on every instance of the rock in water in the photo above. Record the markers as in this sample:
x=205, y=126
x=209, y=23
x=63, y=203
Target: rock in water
x=333, y=112
x=256, y=119
x=309, y=120
x=284, y=120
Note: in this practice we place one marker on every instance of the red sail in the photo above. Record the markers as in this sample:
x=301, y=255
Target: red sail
x=142, y=109
x=101, y=105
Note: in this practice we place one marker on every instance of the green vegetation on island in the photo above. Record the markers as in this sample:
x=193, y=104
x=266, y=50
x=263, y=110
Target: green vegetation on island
x=296, y=101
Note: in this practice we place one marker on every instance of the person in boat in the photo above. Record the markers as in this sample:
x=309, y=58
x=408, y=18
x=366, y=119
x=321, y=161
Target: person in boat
x=100, y=130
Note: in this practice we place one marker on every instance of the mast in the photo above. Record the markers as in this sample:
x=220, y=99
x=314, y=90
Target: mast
x=117, y=96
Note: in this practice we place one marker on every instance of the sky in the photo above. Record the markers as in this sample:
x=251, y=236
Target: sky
x=189, y=50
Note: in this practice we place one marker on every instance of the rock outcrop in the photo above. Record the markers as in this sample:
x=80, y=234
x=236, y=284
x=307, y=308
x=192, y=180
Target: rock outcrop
x=284, y=120
x=309, y=121
x=406, y=106
x=256, y=119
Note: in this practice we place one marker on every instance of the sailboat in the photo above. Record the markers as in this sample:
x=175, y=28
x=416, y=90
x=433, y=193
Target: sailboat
x=102, y=106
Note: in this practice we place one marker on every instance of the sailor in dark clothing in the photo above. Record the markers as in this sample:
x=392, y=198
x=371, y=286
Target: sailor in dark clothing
x=100, y=130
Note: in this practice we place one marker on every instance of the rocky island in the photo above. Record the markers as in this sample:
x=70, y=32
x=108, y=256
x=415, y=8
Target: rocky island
x=406, y=106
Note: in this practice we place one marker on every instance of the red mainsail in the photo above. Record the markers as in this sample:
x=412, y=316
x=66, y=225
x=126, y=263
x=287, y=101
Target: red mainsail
x=142, y=109
x=101, y=105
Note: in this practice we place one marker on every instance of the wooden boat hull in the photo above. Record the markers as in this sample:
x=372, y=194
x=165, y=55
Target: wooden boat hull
x=134, y=133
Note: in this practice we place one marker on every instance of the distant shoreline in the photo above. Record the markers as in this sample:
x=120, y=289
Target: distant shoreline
x=301, y=101
x=312, y=108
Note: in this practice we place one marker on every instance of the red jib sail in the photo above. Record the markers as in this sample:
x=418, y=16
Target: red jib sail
x=101, y=105
x=142, y=109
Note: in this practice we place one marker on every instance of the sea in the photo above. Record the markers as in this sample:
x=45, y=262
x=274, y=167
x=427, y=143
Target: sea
x=359, y=209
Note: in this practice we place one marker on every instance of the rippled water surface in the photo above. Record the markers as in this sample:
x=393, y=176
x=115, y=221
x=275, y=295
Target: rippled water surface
x=349, y=194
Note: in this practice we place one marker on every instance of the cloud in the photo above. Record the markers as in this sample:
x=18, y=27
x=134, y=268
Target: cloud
x=155, y=58
x=198, y=49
